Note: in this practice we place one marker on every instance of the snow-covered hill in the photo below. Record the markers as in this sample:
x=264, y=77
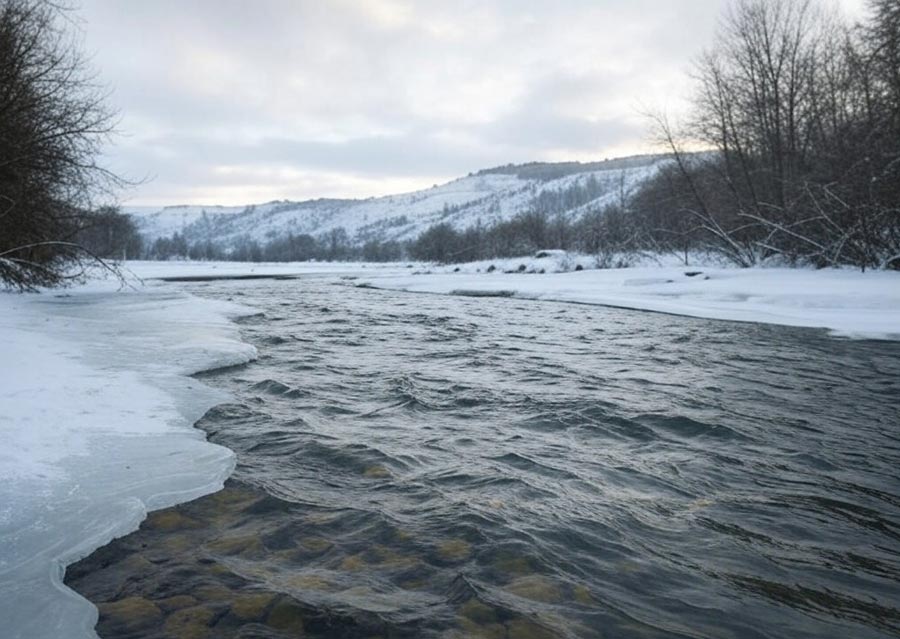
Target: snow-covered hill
x=489, y=196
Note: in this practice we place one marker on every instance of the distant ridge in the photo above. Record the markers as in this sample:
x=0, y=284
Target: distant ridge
x=545, y=171
x=492, y=195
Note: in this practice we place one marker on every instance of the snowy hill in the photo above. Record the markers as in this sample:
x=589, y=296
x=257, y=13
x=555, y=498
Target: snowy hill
x=486, y=197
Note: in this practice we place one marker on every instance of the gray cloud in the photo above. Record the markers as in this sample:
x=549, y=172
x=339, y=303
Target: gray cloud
x=230, y=101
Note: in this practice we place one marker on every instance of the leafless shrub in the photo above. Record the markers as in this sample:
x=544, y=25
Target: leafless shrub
x=53, y=123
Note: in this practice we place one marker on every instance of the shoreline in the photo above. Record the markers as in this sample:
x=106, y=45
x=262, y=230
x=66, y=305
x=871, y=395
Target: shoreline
x=846, y=302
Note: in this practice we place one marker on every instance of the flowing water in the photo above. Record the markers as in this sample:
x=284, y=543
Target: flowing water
x=449, y=467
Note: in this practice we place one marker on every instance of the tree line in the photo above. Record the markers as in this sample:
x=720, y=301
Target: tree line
x=526, y=233
x=333, y=246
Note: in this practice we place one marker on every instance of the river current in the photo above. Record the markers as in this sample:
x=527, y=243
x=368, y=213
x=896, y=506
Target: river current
x=493, y=467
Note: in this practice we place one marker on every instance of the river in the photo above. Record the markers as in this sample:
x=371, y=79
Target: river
x=436, y=466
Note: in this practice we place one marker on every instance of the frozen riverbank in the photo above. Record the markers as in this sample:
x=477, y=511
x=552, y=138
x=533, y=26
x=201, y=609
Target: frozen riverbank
x=96, y=419
x=846, y=302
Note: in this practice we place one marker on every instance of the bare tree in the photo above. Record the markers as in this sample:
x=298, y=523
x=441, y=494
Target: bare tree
x=803, y=112
x=53, y=124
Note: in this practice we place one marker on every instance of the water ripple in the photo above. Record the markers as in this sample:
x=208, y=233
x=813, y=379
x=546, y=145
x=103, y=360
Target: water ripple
x=502, y=468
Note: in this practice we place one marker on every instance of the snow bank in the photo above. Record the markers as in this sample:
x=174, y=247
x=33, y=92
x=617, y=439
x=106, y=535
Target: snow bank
x=554, y=261
x=96, y=420
x=847, y=302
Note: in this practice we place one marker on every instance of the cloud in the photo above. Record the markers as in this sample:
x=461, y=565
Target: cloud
x=359, y=97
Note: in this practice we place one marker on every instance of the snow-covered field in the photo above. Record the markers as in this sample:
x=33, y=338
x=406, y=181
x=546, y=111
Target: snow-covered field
x=96, y=416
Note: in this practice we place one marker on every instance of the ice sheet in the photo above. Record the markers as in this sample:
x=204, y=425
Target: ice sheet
x=96, y=428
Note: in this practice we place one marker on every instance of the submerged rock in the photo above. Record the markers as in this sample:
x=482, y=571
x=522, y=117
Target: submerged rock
x=287, y=617
x=129, y=615
x=190, y=623
x=241, y=564
x=251, y=607
x=455, y=550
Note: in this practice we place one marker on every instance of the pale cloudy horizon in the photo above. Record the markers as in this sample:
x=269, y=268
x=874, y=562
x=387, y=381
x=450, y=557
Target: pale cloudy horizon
x=228, y=102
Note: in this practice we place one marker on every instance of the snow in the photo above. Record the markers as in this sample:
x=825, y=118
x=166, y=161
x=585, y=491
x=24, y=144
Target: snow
x=846, y=302
x=551, y=261
x=164, y=222
x=96, y=419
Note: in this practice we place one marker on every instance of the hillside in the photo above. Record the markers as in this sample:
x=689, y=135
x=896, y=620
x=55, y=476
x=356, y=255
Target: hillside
x=489, y=196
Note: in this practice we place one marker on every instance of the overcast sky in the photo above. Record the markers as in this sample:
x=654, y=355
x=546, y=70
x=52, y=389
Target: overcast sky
x=233, y=101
